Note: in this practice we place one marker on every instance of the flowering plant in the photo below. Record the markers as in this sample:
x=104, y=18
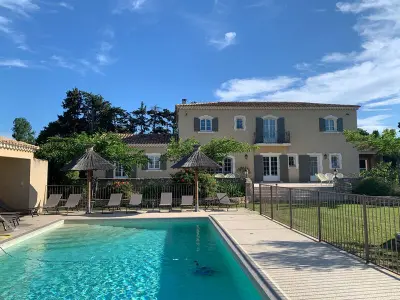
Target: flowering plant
x=124, y=187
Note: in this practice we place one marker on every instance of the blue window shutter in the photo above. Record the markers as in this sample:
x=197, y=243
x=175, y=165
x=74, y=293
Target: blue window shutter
x=340, y=124
x=196, y=126
x=215, y=124
x=321, y=124
x=281, y=130
x=259, y=130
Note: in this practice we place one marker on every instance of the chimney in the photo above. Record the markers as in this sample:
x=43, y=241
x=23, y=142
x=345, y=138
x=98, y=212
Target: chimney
x=184, y=101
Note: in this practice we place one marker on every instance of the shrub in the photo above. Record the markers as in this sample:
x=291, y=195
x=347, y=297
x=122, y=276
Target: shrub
x=374, y=187
x=124, y=187
x=232, y=189
x=207, y=182
x=383, y=171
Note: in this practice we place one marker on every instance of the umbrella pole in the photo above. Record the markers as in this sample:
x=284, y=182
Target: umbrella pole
x=196, y=187
x=89, y=191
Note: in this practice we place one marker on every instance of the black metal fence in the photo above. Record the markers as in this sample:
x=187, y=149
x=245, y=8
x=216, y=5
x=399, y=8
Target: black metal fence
x=150, y=189
x=368, y=227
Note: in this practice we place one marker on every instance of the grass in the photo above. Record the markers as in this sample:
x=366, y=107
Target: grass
x=343, y=226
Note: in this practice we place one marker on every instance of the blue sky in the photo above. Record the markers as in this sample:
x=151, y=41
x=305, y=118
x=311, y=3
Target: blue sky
x=160, y=51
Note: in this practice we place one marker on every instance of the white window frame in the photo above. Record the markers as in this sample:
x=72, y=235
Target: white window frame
x=334, y=119
x=296, y=160
x=366, y=164
x=339, y=155
x=243, y=118
x=119, y=166
x=149, y=155
x=205, y=119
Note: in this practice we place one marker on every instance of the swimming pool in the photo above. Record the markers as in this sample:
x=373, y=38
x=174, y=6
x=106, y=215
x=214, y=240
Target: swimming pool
x=125, y=259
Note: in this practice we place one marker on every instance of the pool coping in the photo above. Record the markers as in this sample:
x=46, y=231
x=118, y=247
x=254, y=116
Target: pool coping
x=253, y=270
x=29, y=234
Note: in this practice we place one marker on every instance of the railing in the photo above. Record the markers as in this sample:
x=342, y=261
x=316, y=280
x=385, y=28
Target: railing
x=368, y=227
x=278, y=139
x=151, y=190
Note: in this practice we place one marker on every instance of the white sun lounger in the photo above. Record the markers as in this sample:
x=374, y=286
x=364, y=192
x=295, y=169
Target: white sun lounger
x=225, y=201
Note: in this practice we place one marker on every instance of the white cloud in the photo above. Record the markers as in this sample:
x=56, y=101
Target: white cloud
x=16, y=63
x=131, y=5
x=22, y=7
x=368, y=75
x=242, y=89
x=303, y=66
x=66, y=5
x=228, y=40
x=103, y=56
x=383, y=103
x=373, y=123
x=337, y=57
x=63, y=63
x=16, y=37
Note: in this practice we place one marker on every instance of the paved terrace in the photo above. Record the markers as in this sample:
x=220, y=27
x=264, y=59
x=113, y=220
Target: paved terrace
x=298, y=267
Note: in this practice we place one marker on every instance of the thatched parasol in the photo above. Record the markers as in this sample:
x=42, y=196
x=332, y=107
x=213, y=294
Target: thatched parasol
x=89, y=162
x=196, y=161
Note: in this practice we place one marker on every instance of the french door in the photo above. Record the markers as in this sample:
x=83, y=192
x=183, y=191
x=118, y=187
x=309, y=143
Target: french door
x=271, y=168
x=315, y=166
x=270, y=131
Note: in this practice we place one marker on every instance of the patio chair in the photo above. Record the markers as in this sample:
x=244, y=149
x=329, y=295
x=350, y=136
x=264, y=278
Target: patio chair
x=52, y=202
x=225, y=201
x=114, y=203
x=330, y=177
x=219, y=175
x=339, y=175
x=135, y=202
x=187, y=201
x=72, y=202
x=166, y=201
x=322, y=178
x=230, y=176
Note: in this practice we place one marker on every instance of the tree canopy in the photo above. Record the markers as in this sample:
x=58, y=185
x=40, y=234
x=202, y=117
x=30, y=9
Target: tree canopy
x=22, y=131
x=91, y=113
x=217, y=149
x=60, y=151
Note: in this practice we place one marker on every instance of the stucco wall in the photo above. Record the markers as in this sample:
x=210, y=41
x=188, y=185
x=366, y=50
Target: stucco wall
x=14, y=182
x=303, y=126
x=38, y=181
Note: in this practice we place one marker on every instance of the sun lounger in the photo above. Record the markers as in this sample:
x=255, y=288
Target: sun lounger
x=72, y=202
x=114, y=203
x=52, y=202
x=135, y=202
x=5, y=208
x=187, y=201
x=166, y=201
x=10, y=220
x=225, y=201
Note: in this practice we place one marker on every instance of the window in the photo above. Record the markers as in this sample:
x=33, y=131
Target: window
x=363, y=165
x=335, y=160
x=292, y=158
x=270, y=130
x=228, y=166
x=330, y=124
x=154, y=162
x=119, y=171
x=206, y=124
x=240, y=123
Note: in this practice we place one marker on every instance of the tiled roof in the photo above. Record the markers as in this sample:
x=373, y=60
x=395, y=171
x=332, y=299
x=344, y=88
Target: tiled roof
x=257, y=105
x=7, y=143
x=145, y=139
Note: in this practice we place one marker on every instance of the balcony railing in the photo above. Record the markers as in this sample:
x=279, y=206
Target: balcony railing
x=278, y=139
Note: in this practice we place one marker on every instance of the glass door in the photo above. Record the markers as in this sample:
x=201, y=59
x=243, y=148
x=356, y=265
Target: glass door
x=270, y=134
x=271, y=168
x=314, y=167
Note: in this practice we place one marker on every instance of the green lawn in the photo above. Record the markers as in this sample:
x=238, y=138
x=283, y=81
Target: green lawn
x=343, y=226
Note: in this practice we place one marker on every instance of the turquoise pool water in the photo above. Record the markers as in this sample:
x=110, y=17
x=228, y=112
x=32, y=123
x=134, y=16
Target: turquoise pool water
x=139, y=259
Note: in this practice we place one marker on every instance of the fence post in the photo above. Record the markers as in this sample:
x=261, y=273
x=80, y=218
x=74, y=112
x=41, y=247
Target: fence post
x=259, y=191
x=319, y=217
x=272, y=203
x=290, y=209
x=366, y=240
x=254, y=197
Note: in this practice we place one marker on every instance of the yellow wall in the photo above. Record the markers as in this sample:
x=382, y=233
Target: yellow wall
x=14, y=182
x=15, y=154
x=38, y=182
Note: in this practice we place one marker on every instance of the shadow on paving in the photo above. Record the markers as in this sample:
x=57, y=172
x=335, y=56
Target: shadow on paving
x=304, y=255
